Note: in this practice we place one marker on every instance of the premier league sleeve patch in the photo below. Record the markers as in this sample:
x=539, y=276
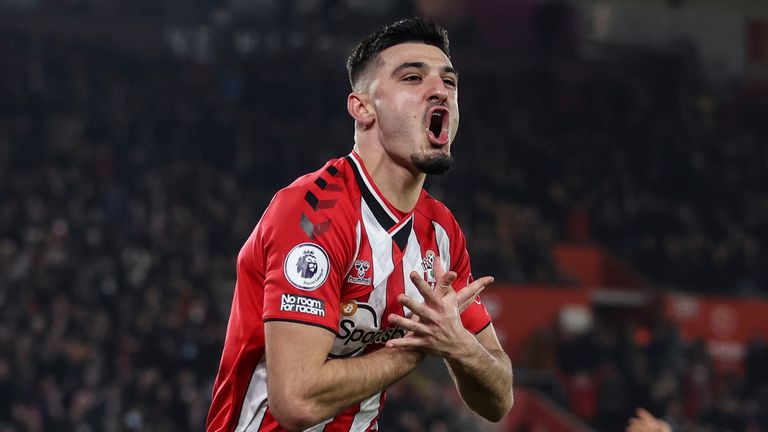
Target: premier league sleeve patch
x=307, y=266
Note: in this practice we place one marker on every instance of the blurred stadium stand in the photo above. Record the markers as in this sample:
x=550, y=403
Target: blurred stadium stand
x=612, y=174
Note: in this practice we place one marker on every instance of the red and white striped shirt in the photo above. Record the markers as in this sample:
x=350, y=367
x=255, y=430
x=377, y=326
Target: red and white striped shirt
x=330, y=251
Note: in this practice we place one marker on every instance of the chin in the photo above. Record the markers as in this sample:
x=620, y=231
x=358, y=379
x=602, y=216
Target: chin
x=433, y=163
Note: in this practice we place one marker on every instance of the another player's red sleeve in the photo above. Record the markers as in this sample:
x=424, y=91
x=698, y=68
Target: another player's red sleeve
x=306, y=253
x=475, y=317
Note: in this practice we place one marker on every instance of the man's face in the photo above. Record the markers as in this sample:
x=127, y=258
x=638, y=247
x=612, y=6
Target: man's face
x=414, y=93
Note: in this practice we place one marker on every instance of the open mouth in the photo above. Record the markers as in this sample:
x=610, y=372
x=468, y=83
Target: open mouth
x=437, y=132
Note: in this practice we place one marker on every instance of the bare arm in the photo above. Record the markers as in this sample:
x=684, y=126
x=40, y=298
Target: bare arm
x=306, y=388
x=479, y=366
x=483, y=376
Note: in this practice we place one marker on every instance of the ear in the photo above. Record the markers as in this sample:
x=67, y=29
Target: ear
x=360, y=110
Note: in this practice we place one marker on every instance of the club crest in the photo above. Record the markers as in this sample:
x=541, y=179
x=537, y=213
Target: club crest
x=428, y=266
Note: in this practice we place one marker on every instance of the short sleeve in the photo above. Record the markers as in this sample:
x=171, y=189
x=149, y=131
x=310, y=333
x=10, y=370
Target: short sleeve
x=306, y=253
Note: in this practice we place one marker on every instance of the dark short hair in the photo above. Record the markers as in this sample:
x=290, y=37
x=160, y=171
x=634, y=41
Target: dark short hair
x=407, y=30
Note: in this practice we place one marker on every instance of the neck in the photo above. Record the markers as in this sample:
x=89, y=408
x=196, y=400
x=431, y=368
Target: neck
x=399, y=185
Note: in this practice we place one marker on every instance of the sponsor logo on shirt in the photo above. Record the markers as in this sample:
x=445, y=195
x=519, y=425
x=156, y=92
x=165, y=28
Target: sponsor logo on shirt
x=349, y=308
x=307, y=266
x=358, y=328
x=349, y=334
x=361, y=266
x=302, y=304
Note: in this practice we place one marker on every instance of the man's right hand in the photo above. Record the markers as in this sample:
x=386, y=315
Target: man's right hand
x=435, y=325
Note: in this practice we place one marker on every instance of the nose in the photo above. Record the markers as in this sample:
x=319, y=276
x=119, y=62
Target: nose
x=437, y=91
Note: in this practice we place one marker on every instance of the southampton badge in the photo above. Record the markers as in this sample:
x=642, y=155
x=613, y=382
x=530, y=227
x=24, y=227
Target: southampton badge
x=428, y=265
x=361, y=266
x=306, y=266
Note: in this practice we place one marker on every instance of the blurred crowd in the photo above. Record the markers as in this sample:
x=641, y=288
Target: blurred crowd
x=128, y=184
x=604, y=374
x=128, y=187
x=643, y=157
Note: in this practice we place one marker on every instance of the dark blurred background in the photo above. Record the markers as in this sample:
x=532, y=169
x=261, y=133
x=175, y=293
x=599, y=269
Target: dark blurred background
x=612, y=174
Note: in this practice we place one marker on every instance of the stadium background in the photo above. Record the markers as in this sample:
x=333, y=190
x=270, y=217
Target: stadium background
x=612, y=174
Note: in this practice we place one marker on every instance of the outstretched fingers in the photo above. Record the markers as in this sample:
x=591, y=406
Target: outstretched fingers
x=434, y=325
x=409, y=341
x=444, y=279
x=445, y=282
x=430, y=296
x=444, y=288
x=418, y=308
x=416, y=332
x=466, y=296
x=411, y=325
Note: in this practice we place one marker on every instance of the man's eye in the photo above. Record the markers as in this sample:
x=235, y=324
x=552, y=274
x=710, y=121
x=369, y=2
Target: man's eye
x=449, y=82
x=412, y=78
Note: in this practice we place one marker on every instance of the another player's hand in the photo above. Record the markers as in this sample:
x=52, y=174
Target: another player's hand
x=435, y=325
x=646, y=422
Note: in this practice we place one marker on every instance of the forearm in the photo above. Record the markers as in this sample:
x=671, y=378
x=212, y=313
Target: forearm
x=478, y=364
x=484, y=380
x=343, y=382
x=340, y=383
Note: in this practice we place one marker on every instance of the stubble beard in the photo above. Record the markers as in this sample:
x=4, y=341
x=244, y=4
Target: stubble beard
x=432, y=164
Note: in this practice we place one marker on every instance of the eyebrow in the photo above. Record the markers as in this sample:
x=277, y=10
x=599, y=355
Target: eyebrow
x=423, y=66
